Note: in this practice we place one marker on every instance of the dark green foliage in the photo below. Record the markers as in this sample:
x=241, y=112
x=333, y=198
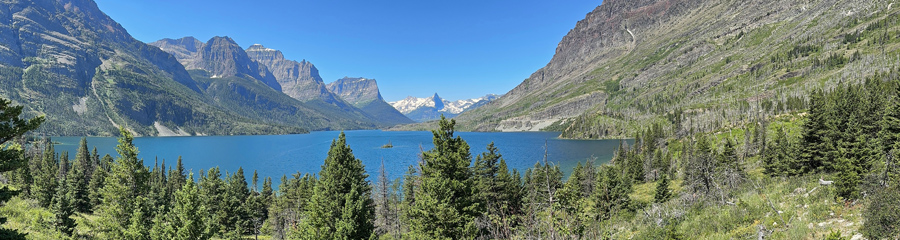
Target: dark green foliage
x=780, y=155
x=499, y=191
x=212, y=190
x=611, y=194
x=98, y=178
x=883, y=214
x=341, y=206
x=63, y=208
x=11, y=127
x=122, y=193
x=662, y=190
x=847, y=183
x=80, y=177
x=445, y=204
x=45, y=179
x=237, y=219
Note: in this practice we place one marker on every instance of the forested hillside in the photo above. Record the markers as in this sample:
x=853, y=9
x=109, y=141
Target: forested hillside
x=629, y=63
x=825, y=172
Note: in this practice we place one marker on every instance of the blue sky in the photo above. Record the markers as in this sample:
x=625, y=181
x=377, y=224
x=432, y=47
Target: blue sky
x=459, y=49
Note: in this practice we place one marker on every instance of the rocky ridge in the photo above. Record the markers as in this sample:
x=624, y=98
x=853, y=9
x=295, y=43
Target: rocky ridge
x=363, y=93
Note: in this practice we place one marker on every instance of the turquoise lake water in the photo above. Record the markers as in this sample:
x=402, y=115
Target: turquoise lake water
x=277, y=155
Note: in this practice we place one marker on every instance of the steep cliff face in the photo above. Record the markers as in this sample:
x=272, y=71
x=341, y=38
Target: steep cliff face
x=69, y=61
x=363, y=93
x=182, y=49
x=356, y=91
x=300, y=80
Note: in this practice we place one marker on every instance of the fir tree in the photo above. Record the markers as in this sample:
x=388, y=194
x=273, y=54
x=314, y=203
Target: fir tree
x=122, y=192
x=446, y=203
x=187, y=213
x=341, y=206
x=45, y=178
x=11, y=127
x=662, y=190
x=80, y=178
x=63, y=209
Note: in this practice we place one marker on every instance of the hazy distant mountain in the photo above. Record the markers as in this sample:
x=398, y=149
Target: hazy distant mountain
x=69, y=61
x=431, y=108
x=363, y=93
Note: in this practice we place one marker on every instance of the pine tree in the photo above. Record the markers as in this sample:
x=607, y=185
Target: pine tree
x=445, y=203
x=80, y=178
x=45, y=179
x=187, y=213
x=176, y=178
x=341, y=206
x=236, y=194
x=847, y=184
x=662, y=190
x=98, y=177
x=122, y=192
x=212, y=191
x=11, y=127
x=612, y=192
x=63, y=209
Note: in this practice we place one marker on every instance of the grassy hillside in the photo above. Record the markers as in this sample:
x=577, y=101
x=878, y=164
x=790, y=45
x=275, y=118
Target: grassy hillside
x=718, y=62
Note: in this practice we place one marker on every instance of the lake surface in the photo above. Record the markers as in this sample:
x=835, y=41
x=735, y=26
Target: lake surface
x=277, y=155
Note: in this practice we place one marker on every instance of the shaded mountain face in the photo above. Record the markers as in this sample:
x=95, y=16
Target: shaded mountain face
x=363, y=93
x=431, y=108
x=71, y=62
x=300, y=80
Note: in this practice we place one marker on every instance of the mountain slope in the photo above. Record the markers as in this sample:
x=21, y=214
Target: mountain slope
x=663, y=61
x=363, y=93
x=69, y=61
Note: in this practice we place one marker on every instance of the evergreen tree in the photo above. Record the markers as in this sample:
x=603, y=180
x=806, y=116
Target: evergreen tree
x=64, y=164
x=847, y=184
x=122, y=193
x=80, y=178
x=187, y=213
x=138, y=223
x=445, y=203
x=45, y=179
x=341, y=206
x=98, y=177
x=212, y=190
x=236, y=194
x=63, y=209
x=176, y=179
x=11, y=127
x=662, y=190
x=612, y=192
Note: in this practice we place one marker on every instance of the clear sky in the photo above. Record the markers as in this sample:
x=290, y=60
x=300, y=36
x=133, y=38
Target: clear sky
x=458, y=49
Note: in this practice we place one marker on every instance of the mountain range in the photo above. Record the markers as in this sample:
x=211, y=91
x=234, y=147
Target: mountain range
x=431, y=108
x=69, y=61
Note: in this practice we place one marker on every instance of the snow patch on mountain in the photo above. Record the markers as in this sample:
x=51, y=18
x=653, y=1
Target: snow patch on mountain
x=410, y=104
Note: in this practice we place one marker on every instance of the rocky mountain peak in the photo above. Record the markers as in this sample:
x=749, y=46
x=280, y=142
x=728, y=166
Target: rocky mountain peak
x=356, y=91
x=258, y=52
x=299, y=80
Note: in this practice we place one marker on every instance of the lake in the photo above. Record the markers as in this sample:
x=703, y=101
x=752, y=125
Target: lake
x=277, y=155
